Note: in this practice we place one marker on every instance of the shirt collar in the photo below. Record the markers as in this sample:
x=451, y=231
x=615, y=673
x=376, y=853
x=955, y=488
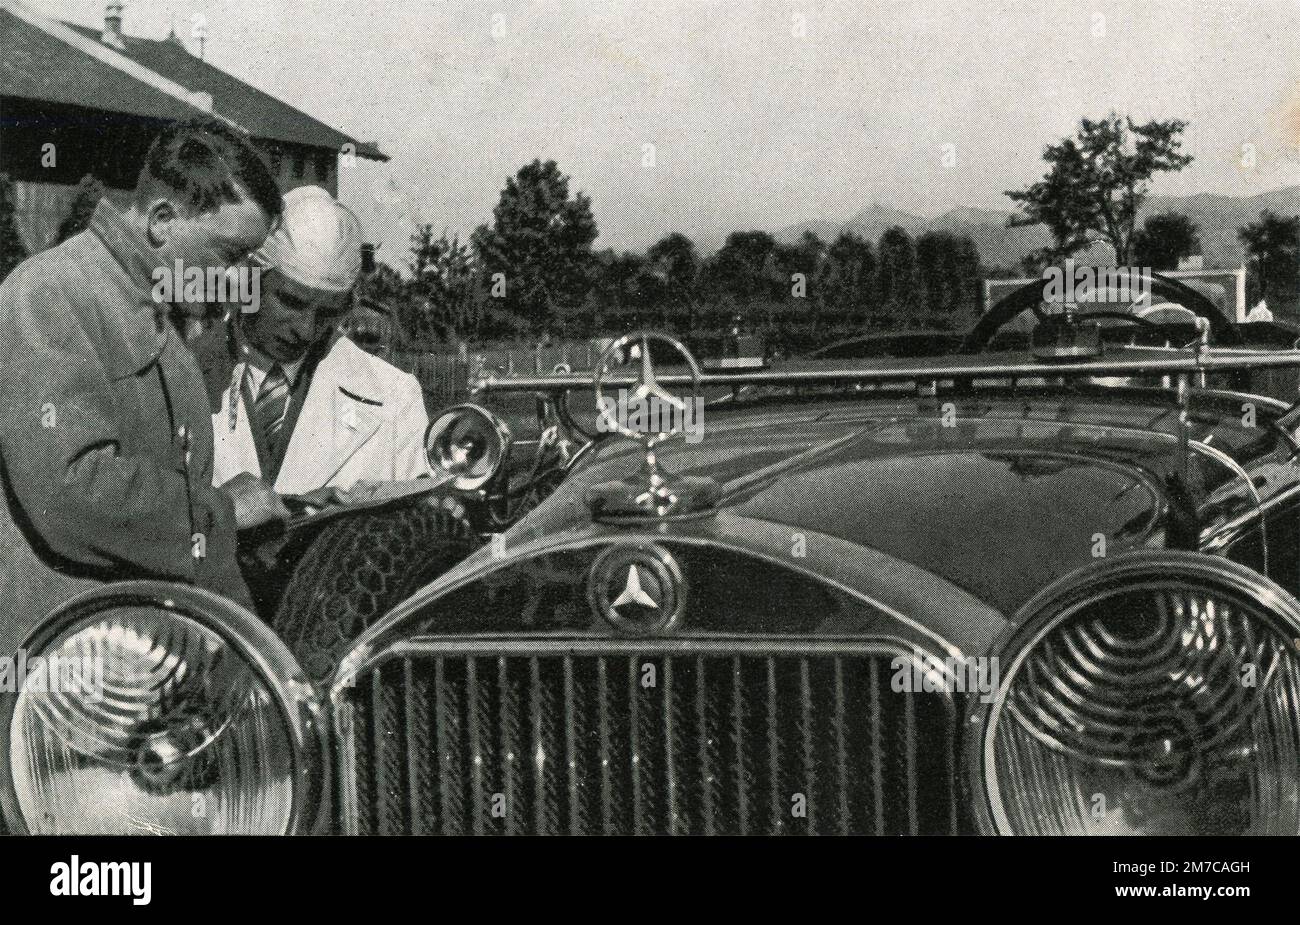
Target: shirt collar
x=141, y=322
x=259, y=364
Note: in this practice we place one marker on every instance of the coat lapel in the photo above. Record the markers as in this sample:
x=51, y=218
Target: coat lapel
x=341, y=412
x=235, y=446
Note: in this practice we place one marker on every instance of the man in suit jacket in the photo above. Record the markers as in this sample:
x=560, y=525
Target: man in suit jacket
x=300, y=406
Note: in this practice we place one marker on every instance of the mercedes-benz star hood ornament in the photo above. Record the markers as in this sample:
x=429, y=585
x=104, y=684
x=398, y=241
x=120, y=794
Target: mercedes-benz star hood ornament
x=651, y=492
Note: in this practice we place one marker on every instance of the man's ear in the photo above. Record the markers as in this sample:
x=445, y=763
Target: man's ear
x=160, y=222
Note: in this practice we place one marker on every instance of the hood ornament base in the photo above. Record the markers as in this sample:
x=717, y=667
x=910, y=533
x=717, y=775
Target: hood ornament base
x=652, y=492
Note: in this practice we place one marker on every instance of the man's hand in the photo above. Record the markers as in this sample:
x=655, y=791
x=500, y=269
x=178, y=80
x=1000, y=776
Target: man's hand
x=255, y=502
x=318, y=499
x=364, y=490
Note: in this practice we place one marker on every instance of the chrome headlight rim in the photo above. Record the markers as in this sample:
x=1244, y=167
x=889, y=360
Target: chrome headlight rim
x=499, y=428
x=299, y=704
x=1078, y=589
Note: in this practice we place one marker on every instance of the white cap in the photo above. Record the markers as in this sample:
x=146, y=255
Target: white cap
x=317, y=243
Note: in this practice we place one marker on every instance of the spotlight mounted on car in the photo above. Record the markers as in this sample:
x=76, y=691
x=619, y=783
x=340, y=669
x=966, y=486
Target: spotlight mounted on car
x=467, y=444
x=190, y=717
x=1156, y=693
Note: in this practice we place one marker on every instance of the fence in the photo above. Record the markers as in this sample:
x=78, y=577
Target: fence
x=444, y=377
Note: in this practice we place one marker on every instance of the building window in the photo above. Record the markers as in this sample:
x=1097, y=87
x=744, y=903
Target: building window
x=299, y=164
x=276, y=154
x=322, y=166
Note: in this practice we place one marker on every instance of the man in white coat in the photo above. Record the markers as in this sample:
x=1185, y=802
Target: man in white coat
x=303, y=408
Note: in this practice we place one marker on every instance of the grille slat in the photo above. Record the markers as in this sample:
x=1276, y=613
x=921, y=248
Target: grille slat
x=388, y=748
x=708, y=741
x=671, y=753
x=909, y=759
x=423, y=809
x=877, y=759
x=609, y=808
x=451, y=767
x=638, y=759
x=472, y=696
x=557, y=740
x=843, y=784
x=809, y=758
x=572, y=719
x=548, y=805
x=511, y=750
x=743, y=776
x=776, y=818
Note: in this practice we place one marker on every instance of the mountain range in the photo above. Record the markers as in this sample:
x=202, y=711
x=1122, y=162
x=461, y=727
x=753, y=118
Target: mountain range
x=1216, y=216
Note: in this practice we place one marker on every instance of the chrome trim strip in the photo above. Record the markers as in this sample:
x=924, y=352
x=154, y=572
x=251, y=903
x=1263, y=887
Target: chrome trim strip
x=1228, y=462
x=740, y=483
x=1210, y=535
x=713, y=644
x=1285, y=496
x=1275, y=404
x=345, y=732
x=1211, y=361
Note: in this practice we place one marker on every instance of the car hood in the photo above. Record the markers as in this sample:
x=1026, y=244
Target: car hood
x=998, y=523
x=998, y=501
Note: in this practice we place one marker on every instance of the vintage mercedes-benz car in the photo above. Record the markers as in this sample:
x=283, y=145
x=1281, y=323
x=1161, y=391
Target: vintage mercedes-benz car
x=1047, y=590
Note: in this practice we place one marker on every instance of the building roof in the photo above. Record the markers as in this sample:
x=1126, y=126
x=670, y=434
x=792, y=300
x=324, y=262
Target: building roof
x=261, y=115
x=67, y=63
x=38, y=63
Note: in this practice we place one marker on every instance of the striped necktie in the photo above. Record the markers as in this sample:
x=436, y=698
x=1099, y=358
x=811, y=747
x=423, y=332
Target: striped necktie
x=272, y=402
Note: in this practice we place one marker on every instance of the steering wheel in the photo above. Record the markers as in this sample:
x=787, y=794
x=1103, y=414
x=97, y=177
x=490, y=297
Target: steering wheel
x=1030, y=298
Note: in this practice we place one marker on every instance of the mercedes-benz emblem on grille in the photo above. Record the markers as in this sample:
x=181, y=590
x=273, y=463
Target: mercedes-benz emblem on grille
x=637, y=588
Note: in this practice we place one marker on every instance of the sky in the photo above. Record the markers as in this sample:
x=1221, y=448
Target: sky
x=705, y=116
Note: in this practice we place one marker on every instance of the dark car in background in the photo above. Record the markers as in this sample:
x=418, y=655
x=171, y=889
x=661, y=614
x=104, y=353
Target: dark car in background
x=1048, y=590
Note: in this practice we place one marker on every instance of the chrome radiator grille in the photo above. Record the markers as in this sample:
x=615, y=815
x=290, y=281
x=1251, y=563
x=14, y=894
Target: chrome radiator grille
x=559, y=741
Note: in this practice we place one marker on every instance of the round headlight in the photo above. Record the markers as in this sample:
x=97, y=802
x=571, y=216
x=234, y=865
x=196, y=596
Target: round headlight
x=468, y=444
x=1154, y=694
x=155, y=708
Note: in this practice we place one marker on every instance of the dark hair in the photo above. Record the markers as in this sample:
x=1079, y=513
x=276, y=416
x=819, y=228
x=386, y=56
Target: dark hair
x=205, y=162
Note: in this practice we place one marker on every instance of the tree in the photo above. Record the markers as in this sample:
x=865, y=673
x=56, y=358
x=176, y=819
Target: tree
x=850, y=282
x=1164, y=240
x=896, y=275
x=965, y=274
x=89, y=192
x=676, y=264
x=804, y=257
x=791, y=275
x=441, y=299
x=933, y=250
x=384, y=285
x=424, y=250
x=1273, y=244
x=536, y=256
x=738, y=268
x=948, y=274
x=1097, y=181
x=12, y=251
x=624, y=285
